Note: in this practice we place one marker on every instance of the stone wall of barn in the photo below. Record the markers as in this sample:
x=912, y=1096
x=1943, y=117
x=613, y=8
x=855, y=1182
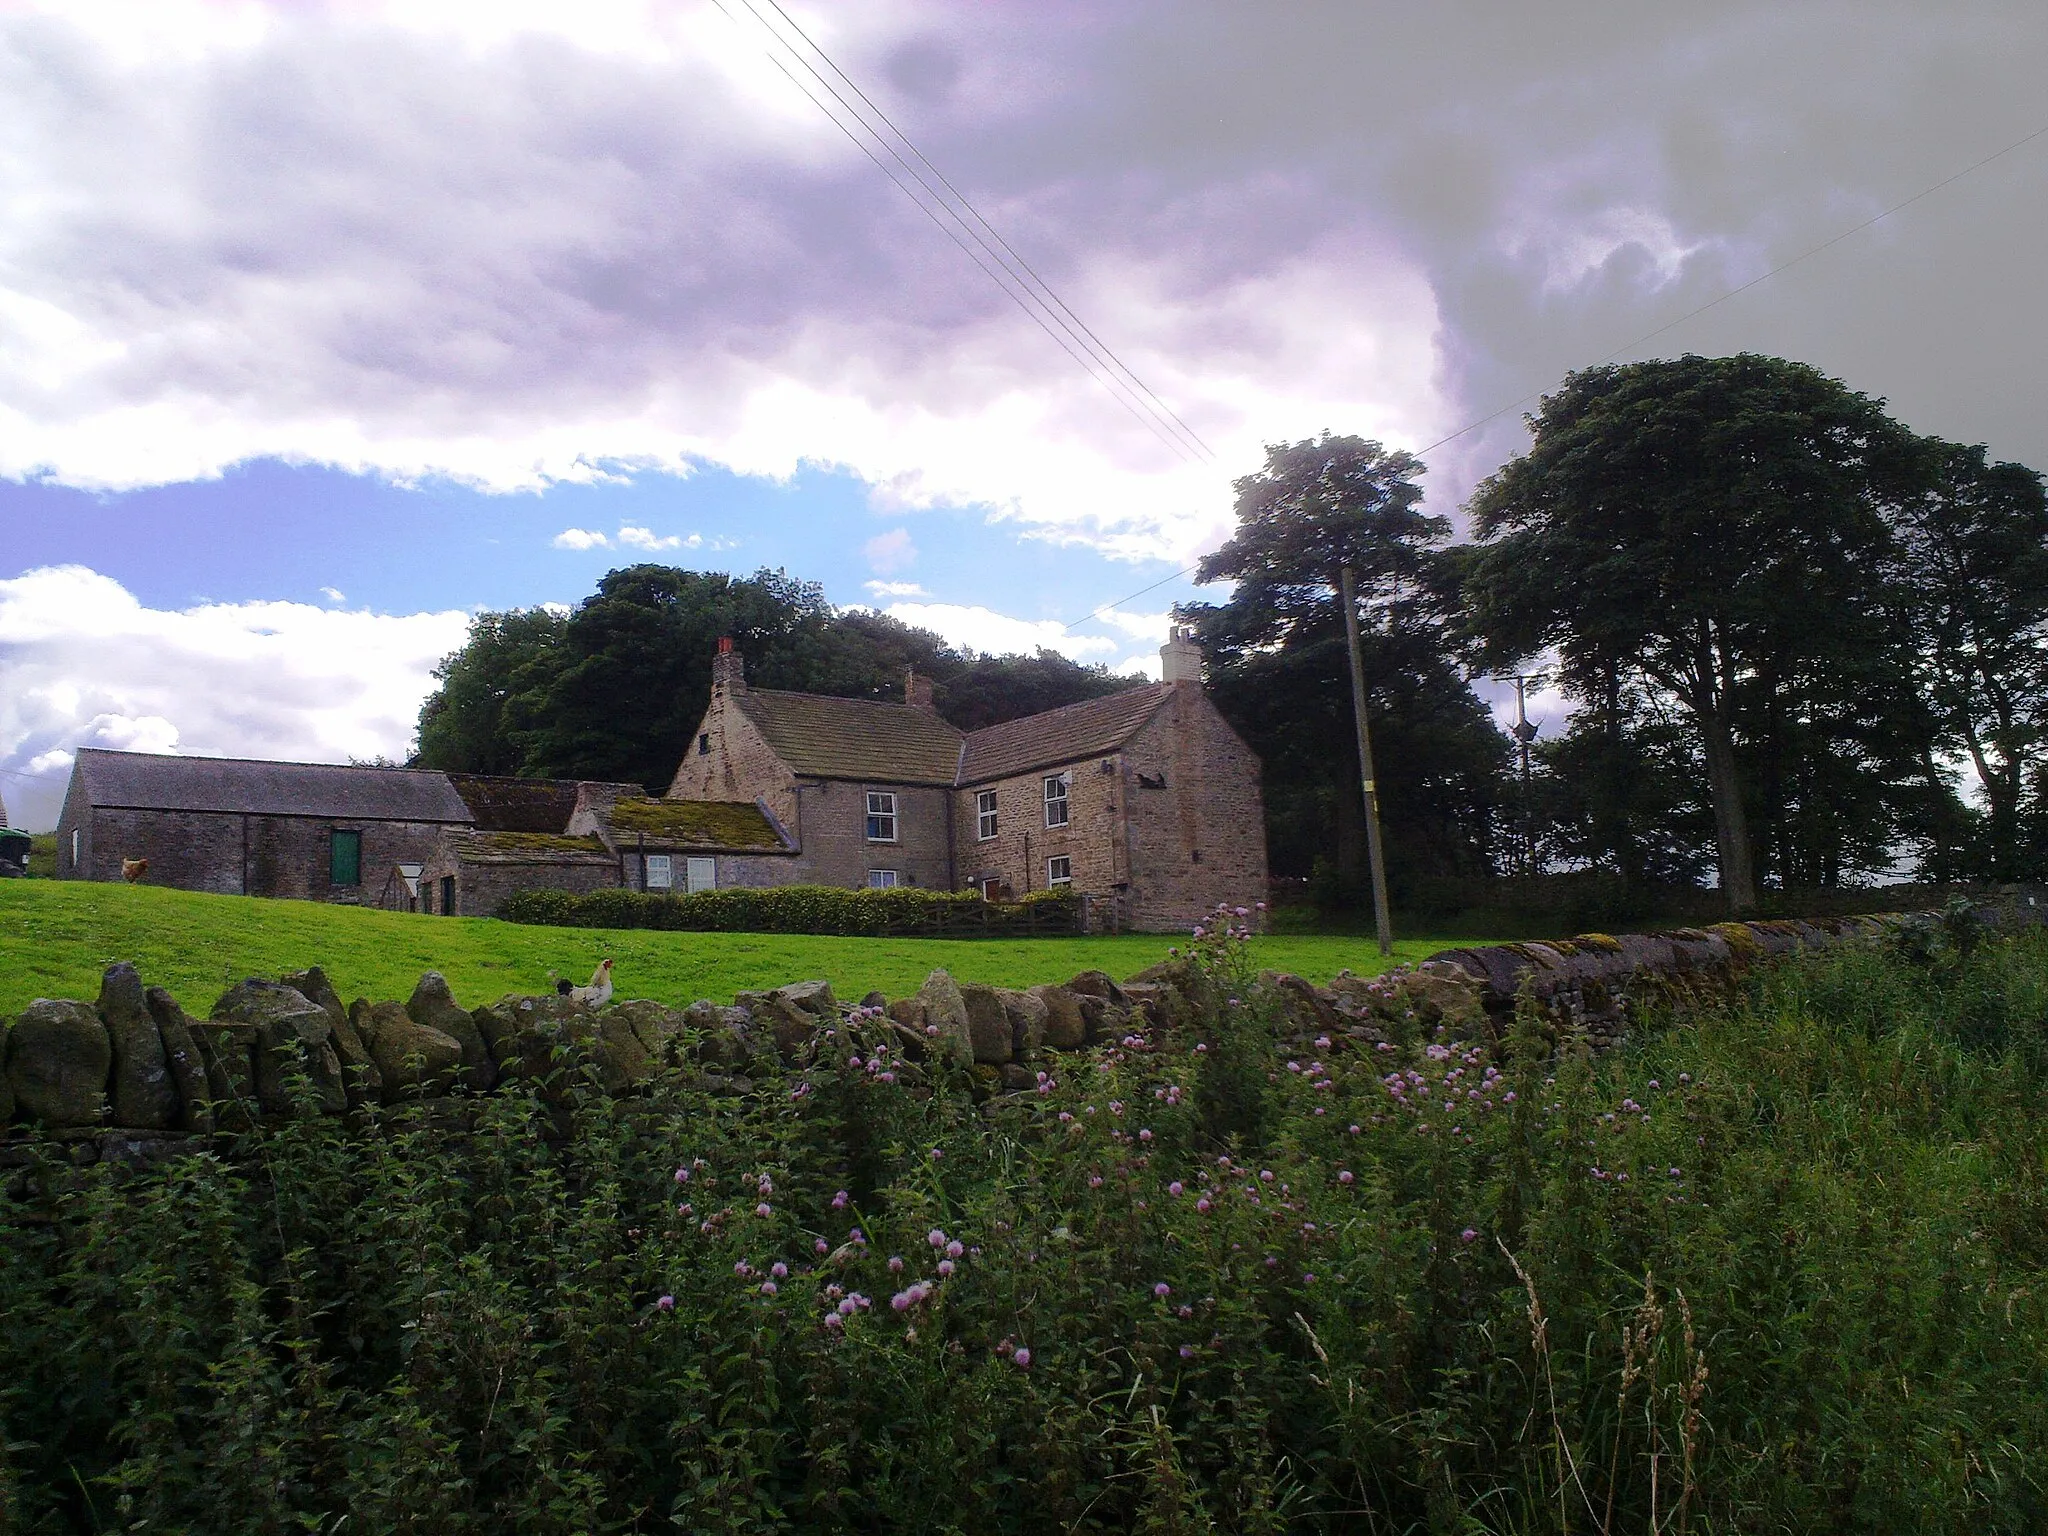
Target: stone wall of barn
x=483, y=886
x=232, y=854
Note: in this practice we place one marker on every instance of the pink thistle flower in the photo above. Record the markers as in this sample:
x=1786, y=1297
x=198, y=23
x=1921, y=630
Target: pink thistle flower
x=901, y=1301
x=1175, y=1188
x=895, y=1264
x=1022, y=1358
x=936, y=1238
x=764, y=1209
x=839, y=1201
x=743, y=1269
x=768, y=1287
x=1344, y=1176
x=1162, y=1290
x=779, y=1270
x=665, y=1304
x=1467, y=1235
x=955, y=1248
x=945, y=1266
x=832, y=1320
x=1202, y=1204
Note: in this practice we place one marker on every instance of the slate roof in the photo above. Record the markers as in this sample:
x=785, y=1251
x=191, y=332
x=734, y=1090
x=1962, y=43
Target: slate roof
x=1092, y=728
x=516, y=805
x=827, y=738
x=704, y=826
x=154, y=782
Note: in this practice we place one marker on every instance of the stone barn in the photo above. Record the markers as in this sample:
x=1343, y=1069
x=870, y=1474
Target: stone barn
x=238, y=827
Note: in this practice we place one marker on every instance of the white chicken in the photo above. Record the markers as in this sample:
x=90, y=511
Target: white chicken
x=599, y=992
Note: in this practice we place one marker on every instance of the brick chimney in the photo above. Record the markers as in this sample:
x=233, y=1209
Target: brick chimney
x=728, y=671
x=1180, y=659
x=917, y=691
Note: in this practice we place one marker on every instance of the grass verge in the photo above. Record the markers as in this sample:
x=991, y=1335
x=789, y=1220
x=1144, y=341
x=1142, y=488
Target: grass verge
x=57, y=936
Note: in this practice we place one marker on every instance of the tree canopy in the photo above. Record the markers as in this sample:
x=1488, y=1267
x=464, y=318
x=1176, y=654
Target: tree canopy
x=613, y=689
x=1279, y=668
x=1750, y=550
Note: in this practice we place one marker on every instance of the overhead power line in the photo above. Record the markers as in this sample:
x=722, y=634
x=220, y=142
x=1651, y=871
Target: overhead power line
x=1740, y=288
x=871, y=130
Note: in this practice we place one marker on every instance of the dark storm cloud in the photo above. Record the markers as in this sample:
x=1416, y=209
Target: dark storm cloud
x=404, y=243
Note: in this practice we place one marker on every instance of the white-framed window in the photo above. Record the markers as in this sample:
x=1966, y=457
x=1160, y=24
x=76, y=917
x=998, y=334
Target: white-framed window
x=881, y=879
x=881, y=817
x=1059, y=871
x=700, y=875
x=985, y=814
x=661, y=873
x=1056, y=800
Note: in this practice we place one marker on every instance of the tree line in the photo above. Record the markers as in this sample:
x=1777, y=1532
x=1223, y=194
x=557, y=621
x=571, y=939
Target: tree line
x=1789, y=628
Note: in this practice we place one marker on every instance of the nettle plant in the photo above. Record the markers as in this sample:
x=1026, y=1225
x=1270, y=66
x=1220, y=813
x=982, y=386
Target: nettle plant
x=1216, y=1272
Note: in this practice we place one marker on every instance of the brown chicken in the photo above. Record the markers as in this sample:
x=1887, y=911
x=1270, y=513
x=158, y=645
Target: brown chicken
x=133, y=870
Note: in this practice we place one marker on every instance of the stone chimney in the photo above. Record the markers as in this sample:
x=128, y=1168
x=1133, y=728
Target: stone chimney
x=1180, y=659
x=917, y=691
x=728, y=671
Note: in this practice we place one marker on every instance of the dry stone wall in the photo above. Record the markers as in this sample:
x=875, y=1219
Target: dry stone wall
x=131, y=1075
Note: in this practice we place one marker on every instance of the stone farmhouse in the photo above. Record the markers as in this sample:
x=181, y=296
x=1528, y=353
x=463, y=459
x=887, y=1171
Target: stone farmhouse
x=1144, y=803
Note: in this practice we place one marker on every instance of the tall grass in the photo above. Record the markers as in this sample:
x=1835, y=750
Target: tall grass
x=1776, y=1266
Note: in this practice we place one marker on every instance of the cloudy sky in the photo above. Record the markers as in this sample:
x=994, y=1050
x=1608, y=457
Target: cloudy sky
x=323, y=325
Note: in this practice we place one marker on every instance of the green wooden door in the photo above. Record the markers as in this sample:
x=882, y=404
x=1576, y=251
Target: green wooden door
x=345, y=859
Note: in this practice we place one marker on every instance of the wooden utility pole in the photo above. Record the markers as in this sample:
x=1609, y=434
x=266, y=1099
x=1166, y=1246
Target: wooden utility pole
x=1381, y=921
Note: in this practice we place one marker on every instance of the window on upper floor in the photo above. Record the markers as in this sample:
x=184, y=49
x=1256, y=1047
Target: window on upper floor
x=704, y=744
x=1056, y=800
x=985, y=814
x=881, y=817
x=1059, y=871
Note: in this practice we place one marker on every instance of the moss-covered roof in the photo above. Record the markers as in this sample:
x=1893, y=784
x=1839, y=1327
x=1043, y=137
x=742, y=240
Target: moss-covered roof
x=710, y=825
x=527, y=847
x=516, y=805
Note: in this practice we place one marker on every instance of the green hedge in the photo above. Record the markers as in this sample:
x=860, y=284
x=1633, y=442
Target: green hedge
x=804, y=909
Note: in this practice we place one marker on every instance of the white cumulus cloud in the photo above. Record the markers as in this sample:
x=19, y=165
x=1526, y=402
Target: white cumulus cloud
x=84, y=663
x=895, y=589
x=983, y=629
x=646, y=538
x=581, y=538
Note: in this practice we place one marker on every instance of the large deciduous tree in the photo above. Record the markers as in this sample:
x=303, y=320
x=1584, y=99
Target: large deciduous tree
x=1280, y=671
x=1975, y=548
x=1718, y=533
x=613, y=689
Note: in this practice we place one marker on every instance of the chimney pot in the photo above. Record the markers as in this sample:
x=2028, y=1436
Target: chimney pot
x=917, y=691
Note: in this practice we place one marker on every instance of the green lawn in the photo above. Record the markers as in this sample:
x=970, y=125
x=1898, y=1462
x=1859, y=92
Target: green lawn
x=57, y=936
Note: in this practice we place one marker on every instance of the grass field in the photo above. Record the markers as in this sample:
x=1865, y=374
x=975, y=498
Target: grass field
x=57, y=936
